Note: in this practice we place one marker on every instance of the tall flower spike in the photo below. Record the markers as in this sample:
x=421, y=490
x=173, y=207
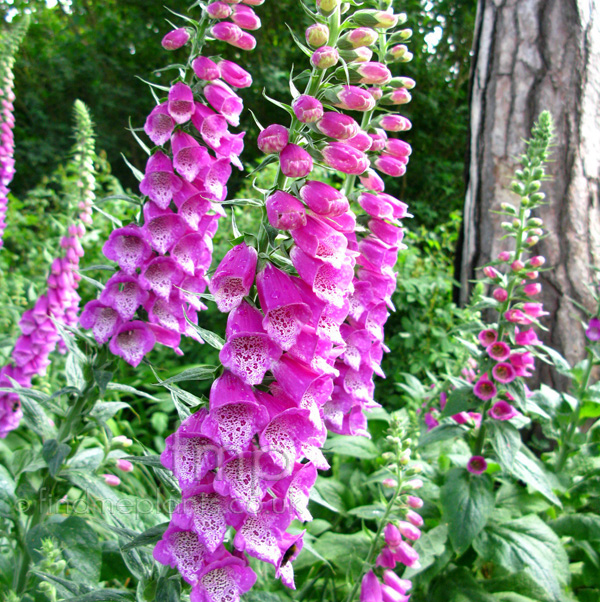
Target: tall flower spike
x=60, y=303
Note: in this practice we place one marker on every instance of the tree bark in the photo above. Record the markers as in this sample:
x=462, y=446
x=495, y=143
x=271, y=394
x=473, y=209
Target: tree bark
x=531, y=55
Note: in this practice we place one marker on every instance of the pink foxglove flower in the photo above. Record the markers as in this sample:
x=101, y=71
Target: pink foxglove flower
x=593, y=330
x=175, y=39
x=295, y=161
x=477, y=465
x=502, y=410
x=484, y=389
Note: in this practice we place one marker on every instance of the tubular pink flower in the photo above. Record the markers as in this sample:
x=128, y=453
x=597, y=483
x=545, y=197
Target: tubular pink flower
x=527, y=337
x=500, y=295
x=218, y=10
x=245, y=17
x=159, y=124
x=324, y=199
x=205, y=69
x=394, y=123
x=124, y=465
x=499, y=351
x=224, y=100
x=484, y=389
x=132, y=341
x=533, y=289
x=593, y=330
x=344, y=158
x=477, y=465
x=370, y=588
x=503, y=373
x=487, y=337
x=181, y=103
x=112, y=480
x=502, y=410
x=284, y=211
x=351, y=98
x=234, y=75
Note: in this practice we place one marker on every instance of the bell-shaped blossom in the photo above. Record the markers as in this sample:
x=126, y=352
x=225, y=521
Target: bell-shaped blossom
x=284, y=211
x=295, y=162
x=102, y=320
x=226, y=579
x=321, y=241
x=233, y=277
x=129, y=247
x=162, y=227
x=370, y=588
x=502, y=410
x=181, y=103
x=160, y=183
x=188, y=156
x=160, y=275
x=485, y=389
x=132, y=341
x=248, y=352
x=372, y=181
x=285, y=312
x=159, y=124
x=477, y=465
x=245, y=17
x=224, y=100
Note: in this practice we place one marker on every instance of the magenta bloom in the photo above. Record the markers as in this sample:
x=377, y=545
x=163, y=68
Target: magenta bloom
x=234, y=75
x=224, y=100
x=320, y=240
x=284, y=211
x=504, y=373
x=160, y=183
x=245, y=17
x=338, y=126
x=502, y=410
x=390, y=166
x=159, y=124
x=392, y=535
x=124, y=465
x=407, y=555
x=218, y=10
x=104, y=321
x=353, y=98
x=233, y=277
x=132, y=342
x=129, y=247
x=484, y=389
x=593, y=330
x=324, y=199
x=189, y=158
x=346, y=159
x=307, y=109
x=477, y=465
x=500, y=295
x=370, y=588
x=273, y=139
x=395, y=123
x=295, y=161
x=487, y=337
x=112, y=480
x=226, y=579
x=498, y=351
x=227, y=32
x=248, y=352
x=175, y=39
x=181, y=102
x=400, y=585
x=527, y=337
x=205, y=69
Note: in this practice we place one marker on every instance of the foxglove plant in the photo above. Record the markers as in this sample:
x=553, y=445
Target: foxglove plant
x=59, y=305
x=163, y=260
x=10, y=45
x=307, y=298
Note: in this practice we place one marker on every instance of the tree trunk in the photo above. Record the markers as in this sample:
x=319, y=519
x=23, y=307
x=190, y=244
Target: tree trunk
x=531, y=55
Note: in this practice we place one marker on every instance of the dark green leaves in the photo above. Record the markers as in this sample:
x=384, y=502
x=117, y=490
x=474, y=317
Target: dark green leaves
x=467, y=503
x=505, y=440
x=526, y=543
x=54, y=453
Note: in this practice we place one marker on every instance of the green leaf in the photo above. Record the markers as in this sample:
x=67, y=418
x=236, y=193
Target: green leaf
x=441, y=433
x=526, y=543
x=560, y=363
x=467, y=503
x=459, y=586
x=328, y=492
x=78, y=542
x=354, y=446
x=148, y=537
x=150, y=460
x=213, y=339
x=370, y=512
x=459, y=400
x=203, y=372
x=35, y=417
x=344, y=551
x=105, y=410
x=7, y=492
x=506, y=441
x=128, y=389
x=430, y=546
x=74, y=373
x=534, y=474
x=168, y=590
x=54, y=454
x=585, y=526
x=103, y=595
x=522, y=584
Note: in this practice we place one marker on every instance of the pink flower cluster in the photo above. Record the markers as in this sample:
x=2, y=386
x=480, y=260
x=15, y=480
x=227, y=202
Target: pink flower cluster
x=7, y=142
x=40, y=335
x=163, y=262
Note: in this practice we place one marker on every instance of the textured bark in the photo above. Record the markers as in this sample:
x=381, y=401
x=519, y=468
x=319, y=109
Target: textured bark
x=531, y=55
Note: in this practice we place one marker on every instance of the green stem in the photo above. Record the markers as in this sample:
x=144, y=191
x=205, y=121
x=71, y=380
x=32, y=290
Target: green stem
x=370, y=561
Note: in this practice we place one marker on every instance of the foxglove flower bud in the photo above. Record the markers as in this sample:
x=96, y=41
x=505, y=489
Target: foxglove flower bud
x=395, y=123
x=338, y=126
x=205, y=69
x=218, y=10
x=307, y=109
x=295, y=162
x=356, y=55
x=361, y=36
x=226, y=32
x=327, y=7
x=285, y=212
x=324, y=199
x=324, y=57
x=273, y=139
x=367, y=73
x=401, y=96
x=317, y=35
x=245, y=17
x=234, y=75
x=390, y=166
x=375, y=18
x=350, y=98
x=176, y=39
x=344, y=158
